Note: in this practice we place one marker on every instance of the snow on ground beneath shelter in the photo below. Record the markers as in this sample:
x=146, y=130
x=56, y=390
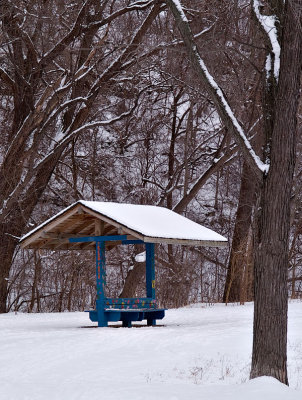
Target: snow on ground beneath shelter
x=201, y=352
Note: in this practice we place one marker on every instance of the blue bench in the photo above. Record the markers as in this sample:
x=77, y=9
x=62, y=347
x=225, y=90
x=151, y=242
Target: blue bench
x=128, y=311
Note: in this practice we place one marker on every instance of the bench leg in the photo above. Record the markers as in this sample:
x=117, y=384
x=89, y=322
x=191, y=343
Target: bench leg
x=102, y=319
x=127, y=324
x=151, y=322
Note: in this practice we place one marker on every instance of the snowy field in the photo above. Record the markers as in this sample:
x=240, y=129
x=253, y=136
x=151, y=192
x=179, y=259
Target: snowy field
x=201, y=352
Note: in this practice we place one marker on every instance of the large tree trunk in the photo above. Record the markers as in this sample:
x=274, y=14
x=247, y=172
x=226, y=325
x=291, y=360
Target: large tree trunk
x=13, y=222
x=272, y=236
x=236, y=267
x=134, y=277
x=7, y=249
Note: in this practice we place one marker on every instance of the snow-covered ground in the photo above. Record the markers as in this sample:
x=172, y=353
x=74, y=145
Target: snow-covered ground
x=201, y=352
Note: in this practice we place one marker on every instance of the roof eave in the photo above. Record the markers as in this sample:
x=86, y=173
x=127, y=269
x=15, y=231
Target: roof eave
x=187, y=242
x=29, y=238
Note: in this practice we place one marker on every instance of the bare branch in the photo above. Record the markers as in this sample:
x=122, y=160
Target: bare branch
x=78, y=27
x=218, y=97
x=6, y=78
x=224, y=160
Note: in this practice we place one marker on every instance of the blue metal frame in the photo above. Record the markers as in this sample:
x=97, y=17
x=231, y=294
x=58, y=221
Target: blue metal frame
x=100, y=282
x=125, y=310
x=112, y=238
x=132, y=241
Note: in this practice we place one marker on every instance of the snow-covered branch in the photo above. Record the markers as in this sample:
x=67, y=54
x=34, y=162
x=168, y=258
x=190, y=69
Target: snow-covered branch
x=120, y=61
x=79, y=25
x=174, y=43
x=63, y=139
x=4, y=76
x=138, y=5
x=217, y=164
x=218, y=97
x=50, y=55
x=268, y=24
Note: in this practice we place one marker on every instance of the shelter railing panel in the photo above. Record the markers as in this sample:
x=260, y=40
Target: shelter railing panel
x=130, y=303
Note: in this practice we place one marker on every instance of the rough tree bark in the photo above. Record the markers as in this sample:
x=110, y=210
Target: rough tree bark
x=272, y=236
x=235, y=272
x=271, y=239
x=134, y=277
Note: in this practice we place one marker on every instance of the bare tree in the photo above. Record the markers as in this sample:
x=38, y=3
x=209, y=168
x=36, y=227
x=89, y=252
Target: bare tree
x=54, y=66
x=280, y=24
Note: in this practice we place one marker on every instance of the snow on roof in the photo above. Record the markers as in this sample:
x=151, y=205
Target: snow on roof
x=153, y=221
x=148, y=221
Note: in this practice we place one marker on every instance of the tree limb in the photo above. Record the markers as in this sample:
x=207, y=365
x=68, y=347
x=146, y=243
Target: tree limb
x=219, y=99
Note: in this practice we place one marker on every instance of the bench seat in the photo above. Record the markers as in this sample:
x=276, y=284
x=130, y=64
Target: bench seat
x=127, y=316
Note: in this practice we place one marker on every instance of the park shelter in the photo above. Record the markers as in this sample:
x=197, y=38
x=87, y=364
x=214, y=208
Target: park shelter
x=87, y=225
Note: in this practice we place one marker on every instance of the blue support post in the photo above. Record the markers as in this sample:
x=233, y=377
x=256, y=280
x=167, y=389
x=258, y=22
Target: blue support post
x=150, y=270
x=150, y=276
x=100, y=283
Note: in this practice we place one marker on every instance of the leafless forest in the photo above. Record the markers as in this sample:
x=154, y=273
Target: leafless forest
x=99, y=102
